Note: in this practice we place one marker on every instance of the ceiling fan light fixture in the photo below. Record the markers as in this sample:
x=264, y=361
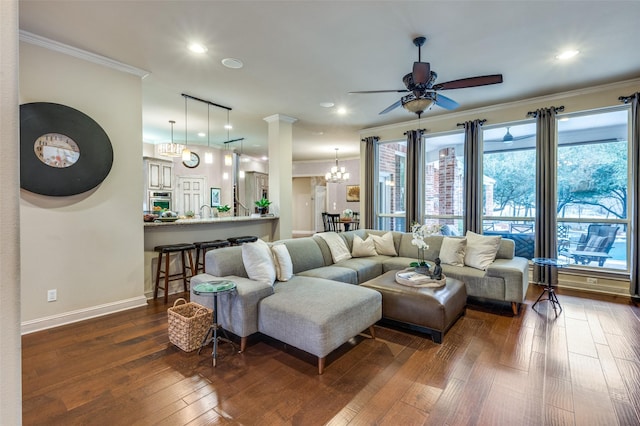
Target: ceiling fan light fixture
x=567, y=54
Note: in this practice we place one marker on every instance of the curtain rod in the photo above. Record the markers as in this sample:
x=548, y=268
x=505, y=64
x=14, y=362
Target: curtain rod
x=417, y=130
x=627, y=99
x=534, y=114
x=206, y=102
x=481, y=122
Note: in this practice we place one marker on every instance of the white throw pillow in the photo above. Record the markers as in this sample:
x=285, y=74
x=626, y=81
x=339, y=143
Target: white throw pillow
x=452, y=251
x=363, y=248
x=384, y=244
x=258, y=262
x=481, y=250
x=282, y=259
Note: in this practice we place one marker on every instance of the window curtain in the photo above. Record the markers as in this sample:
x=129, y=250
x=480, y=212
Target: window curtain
x=415, y=178
x=473, y=175
x=634, y=193
x=546, y=238
x=368, y=216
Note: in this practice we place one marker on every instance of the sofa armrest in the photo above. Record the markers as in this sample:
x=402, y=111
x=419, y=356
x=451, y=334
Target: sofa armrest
x=238, y=311
x=515, y=273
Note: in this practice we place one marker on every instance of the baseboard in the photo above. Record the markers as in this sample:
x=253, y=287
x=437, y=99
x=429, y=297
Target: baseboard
x=44, y=323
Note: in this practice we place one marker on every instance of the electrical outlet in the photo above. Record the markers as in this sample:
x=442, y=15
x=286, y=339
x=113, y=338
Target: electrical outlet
x=591, y=280
x=52, y=295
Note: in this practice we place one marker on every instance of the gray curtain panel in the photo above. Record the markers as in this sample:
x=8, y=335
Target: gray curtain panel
x=473, y=175
x=634, y=193
x=414, y=197
x=546, y=240
x=369, y=182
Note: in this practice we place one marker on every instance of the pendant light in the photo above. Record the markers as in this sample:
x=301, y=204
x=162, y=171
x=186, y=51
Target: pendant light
x=170, y=149
x=228, y=158
x=208, y=156
x=186, y=153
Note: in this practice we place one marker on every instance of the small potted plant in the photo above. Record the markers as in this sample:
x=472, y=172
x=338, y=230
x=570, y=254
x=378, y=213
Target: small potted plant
x=262, y=206
x=223, y=210
x=189, y=214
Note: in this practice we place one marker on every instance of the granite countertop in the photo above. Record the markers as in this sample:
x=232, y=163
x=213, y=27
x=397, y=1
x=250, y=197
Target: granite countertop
x=213, y=220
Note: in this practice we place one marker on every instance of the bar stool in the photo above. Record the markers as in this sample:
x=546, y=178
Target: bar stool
x=236, y=241
x=204, y=246
x=167, y=251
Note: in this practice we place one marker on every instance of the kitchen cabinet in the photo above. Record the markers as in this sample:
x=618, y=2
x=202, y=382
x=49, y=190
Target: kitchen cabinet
x=159, y=173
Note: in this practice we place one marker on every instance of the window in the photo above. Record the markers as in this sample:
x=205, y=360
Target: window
x=593, y=178
x=391, y=208
x=509, y=182
x=444, y=182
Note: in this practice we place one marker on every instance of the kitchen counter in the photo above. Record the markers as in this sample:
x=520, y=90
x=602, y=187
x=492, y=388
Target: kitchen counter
x=194, y=230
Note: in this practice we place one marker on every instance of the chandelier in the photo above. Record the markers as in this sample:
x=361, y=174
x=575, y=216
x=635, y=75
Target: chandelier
x=337, y=174
x=170, y=149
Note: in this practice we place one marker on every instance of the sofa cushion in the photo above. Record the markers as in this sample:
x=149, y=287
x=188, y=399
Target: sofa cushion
x=258, y=261
x=338, y=247
x=481, y=250
x=366, y=268
x=282, y=260
x=363, y=248
x=305, y=253
x=336, y=273
x=384, y=244
x=452, y=251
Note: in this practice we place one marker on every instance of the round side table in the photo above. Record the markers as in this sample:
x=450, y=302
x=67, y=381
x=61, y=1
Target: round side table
x=215, y=288
x=549, y=263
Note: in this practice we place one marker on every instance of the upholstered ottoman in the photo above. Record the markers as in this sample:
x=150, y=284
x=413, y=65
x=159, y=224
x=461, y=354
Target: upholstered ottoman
x=318, y=315
x=430, y=310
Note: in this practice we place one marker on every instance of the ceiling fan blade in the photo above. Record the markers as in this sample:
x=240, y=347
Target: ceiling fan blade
x=421, y=72
x=470, y=82
x=391, y=107
x=380, y=91
x=446, y=103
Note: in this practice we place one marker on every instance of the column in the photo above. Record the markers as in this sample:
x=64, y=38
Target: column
x=281, y=171
x=10, y=345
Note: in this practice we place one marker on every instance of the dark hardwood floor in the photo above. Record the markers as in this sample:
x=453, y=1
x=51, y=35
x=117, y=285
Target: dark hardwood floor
x=581, y=368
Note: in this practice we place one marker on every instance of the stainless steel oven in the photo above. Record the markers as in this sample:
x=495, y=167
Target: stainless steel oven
x=161, y=199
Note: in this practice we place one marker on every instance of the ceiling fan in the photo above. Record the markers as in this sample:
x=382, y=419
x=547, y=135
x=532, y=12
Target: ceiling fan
x=424, y=93
x=508, y=138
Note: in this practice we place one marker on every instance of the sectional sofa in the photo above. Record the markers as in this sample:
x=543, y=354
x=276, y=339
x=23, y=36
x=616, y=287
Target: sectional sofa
x=311, y=308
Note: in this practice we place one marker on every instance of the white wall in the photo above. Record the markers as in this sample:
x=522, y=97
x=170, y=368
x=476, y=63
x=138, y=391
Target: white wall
x=89, y=246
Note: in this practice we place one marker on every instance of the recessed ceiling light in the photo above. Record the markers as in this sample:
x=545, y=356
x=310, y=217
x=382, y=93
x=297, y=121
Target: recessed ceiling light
x=327, y=104
x=265, y=158
x=197, y=48
x=232, y=63
x=342, y=110
x=228, y=126
x=567, y=54
x=202, y=134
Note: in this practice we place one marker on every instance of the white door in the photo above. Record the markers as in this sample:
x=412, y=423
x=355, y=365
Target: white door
x=190, y=194
x=320, y=205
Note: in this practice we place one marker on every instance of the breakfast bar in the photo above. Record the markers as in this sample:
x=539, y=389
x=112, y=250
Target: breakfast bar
x=192, y=230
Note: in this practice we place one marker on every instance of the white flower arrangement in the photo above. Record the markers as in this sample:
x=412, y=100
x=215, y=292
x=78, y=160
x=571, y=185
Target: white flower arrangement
x=347, y=213
x=419, y=233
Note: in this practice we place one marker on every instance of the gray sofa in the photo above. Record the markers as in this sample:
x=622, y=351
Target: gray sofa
x=316, y=312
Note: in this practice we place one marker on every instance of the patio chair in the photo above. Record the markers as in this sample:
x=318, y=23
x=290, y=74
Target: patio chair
x=595, y=246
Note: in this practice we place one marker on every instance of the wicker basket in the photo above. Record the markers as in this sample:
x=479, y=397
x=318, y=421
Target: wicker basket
x=188, y=323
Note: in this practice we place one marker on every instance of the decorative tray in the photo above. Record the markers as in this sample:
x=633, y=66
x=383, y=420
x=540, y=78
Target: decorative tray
x=411, y=278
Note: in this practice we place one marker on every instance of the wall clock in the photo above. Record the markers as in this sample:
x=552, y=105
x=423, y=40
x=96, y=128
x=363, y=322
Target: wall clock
x=193, y=162
x=62, y=150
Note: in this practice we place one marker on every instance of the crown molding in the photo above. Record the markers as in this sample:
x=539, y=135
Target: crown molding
x=56, y=46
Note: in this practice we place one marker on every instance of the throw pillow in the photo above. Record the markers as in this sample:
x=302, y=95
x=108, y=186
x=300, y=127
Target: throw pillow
x=384, y=244
x=258, y=262
x=452, y=251
x=363, y=248
x=481, y=250
x=282, y=259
